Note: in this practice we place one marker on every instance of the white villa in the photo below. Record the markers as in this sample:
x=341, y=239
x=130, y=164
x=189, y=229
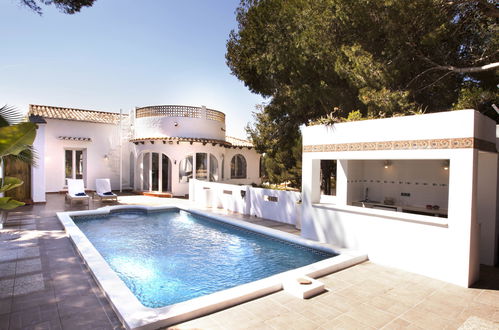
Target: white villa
x=155, y=149
x=418, y=193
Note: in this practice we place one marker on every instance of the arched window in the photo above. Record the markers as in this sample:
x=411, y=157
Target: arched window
x=185, y=169
x=213, y=168
x=238, y=167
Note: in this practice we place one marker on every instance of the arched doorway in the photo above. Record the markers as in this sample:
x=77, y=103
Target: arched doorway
x=156, y=172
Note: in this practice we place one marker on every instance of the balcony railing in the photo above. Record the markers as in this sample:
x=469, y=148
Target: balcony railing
x=178, y=111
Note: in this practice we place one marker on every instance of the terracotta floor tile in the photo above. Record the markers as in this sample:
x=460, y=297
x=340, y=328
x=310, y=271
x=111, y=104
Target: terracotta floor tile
x=449, y=310
x=477, y=323
x=291, y=322
x=340, y=303
x=346, y=322
x=425, y=319
x=399, y=324
x=484, y=311
x=488, y=297
x=371, y=316
x=389, y=304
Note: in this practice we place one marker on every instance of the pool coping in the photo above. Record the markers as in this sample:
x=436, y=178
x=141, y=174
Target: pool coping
x=134, y=315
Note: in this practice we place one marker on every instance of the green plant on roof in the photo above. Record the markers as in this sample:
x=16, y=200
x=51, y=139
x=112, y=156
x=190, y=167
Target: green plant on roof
x=16, y=139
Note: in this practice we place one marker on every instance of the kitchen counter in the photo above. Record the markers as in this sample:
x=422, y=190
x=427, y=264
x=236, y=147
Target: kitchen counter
x=402, y=208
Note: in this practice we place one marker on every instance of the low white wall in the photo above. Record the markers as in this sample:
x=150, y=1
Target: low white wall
x=284, y=209
x=218, y=195
x=256, y=201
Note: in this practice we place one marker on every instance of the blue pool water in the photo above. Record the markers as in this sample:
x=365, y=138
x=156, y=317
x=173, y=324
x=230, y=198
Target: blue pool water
x=173, y=256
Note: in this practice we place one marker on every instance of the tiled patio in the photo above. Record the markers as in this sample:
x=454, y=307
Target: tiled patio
x=45, y=285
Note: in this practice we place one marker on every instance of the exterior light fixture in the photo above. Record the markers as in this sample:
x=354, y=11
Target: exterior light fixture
x=446, y=164
x=387, y=163
x=106, y=157
x=175, y=124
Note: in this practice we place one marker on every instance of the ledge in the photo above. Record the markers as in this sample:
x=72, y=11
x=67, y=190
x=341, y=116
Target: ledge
x=391, y=215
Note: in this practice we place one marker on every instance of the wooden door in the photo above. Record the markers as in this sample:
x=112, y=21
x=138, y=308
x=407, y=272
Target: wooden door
x=20, y=170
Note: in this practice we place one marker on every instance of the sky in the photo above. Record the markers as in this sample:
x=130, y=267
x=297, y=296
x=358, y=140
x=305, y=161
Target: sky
x=121, y=54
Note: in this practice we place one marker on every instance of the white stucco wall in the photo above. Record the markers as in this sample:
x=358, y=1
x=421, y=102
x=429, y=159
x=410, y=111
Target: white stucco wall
x=104, y=141
x=447, y=249
x=253, y=201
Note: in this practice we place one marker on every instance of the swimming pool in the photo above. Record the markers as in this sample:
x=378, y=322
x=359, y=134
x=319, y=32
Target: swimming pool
x=172, y=256
x=161, y=266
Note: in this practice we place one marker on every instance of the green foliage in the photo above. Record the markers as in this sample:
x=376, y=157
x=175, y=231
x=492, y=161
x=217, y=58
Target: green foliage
x=9, y=116
x=10, y=183
x=479, y=99
x=15, y=141
x=7, y=203
x=354, y=116
x=66, y=6
x=380, y=58
x=312, y=56
x=280, y=148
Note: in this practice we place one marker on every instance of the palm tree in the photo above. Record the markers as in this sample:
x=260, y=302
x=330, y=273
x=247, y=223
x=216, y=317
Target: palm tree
x=16, y=139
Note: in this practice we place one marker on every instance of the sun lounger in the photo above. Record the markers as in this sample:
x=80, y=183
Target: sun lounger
x=103, y=190
x=76, y=191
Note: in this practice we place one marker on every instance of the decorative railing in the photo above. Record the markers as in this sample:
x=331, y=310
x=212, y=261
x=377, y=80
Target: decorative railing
x=215, y=115
x=178, y=111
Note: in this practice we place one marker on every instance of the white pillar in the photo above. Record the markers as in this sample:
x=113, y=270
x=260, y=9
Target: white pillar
x=311, y=194
x=486, y=207
x=38, y=171
x=341, y=182
x=463, y=267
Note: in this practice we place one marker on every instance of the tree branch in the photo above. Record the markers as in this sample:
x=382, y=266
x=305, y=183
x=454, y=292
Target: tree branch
x=472, y=69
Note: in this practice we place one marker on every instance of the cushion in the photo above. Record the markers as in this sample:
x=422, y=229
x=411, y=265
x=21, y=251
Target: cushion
x=108, y=193
x=80, y=194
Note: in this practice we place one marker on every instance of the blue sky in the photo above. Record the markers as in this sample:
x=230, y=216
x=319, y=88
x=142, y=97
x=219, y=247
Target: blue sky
x=122, y=54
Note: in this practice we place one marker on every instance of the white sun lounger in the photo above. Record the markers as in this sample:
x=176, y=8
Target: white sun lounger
x=103, y=190
x=76, y=191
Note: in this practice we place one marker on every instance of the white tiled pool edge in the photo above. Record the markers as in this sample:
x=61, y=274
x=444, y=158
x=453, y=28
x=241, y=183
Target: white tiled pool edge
x=135, y=316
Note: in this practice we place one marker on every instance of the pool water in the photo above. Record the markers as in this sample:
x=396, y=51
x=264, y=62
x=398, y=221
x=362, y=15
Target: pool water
x=173, y=256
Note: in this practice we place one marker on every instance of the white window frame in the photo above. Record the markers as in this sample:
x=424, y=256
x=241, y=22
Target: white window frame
x=73, y=164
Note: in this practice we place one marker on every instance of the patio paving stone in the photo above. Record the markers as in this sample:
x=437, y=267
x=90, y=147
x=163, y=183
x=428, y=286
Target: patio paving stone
x=7, y=269
x=28, y=284
x=44, y=284
x=6, y=288
x=28, y=266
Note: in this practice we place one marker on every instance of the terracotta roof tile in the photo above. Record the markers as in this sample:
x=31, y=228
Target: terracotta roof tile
x=238, y=142
x=73, y=114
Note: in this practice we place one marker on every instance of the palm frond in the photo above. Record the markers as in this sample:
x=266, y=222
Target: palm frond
x=10, y=116
x=27, y=155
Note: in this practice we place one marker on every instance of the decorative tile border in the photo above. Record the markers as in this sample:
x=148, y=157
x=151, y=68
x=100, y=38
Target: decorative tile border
x=417, y=183
x=455, y=143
